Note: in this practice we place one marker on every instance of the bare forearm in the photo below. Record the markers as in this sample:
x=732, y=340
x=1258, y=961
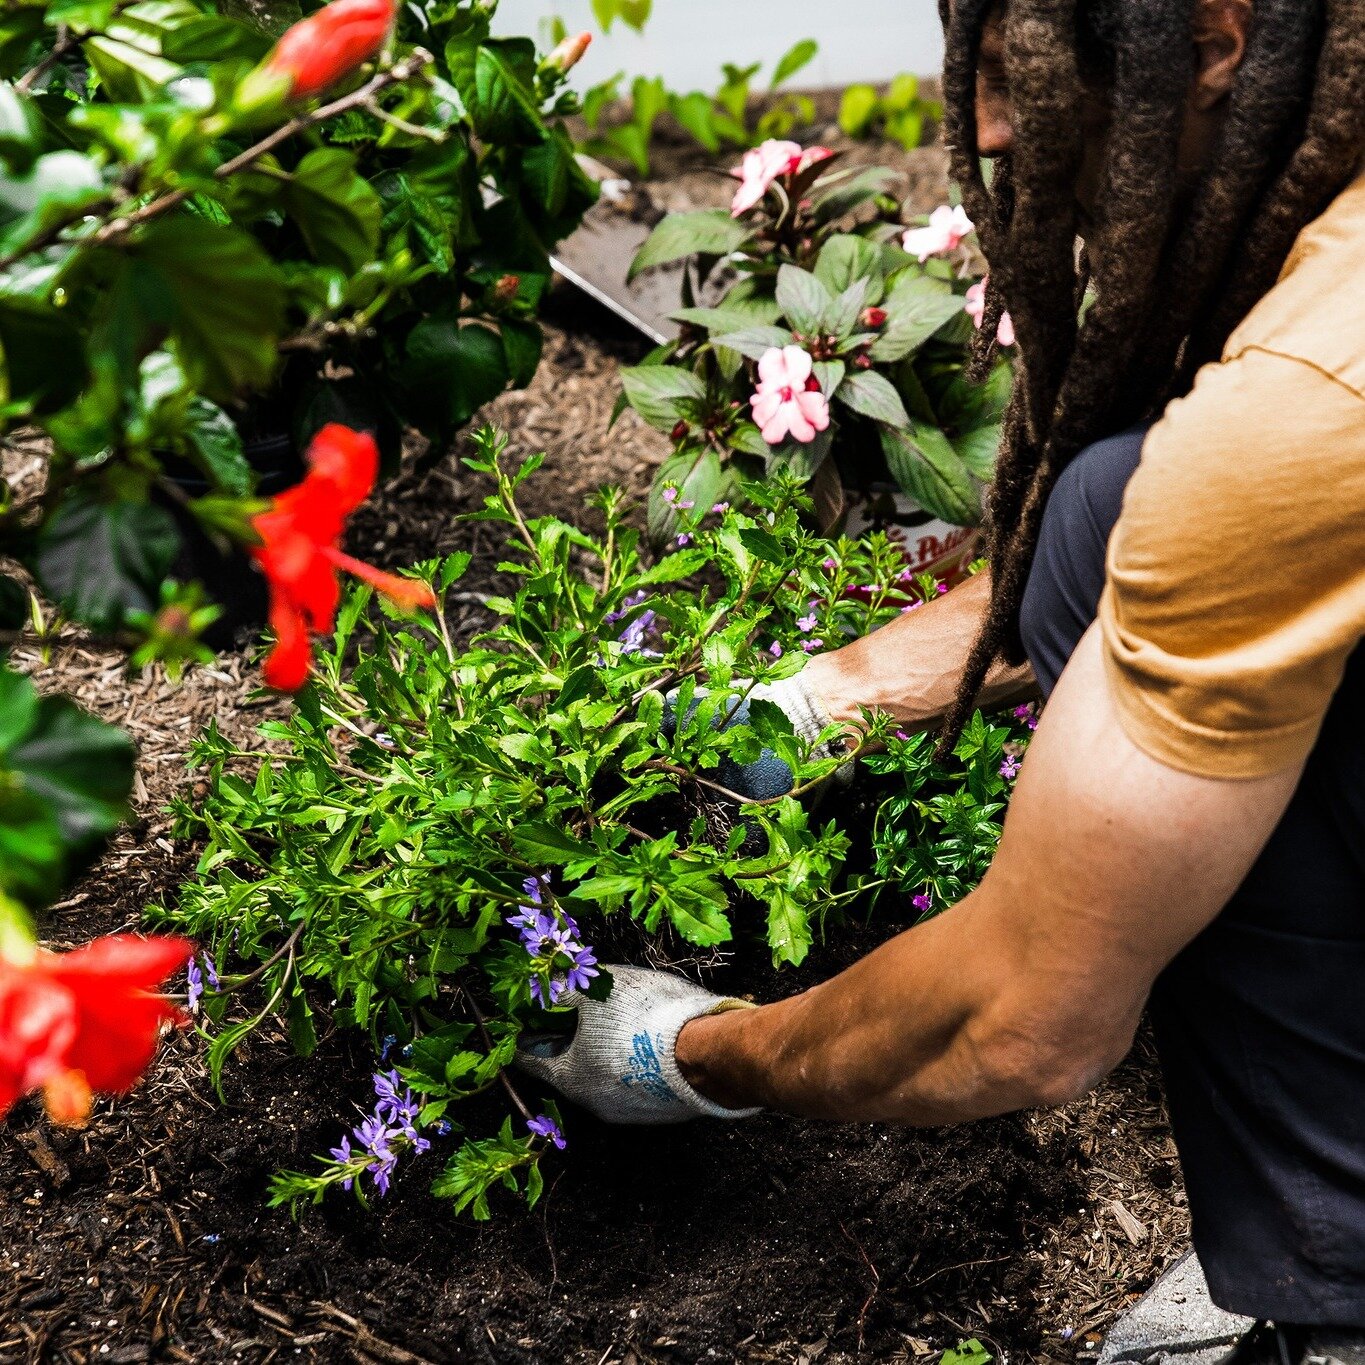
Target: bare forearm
x=910, y=669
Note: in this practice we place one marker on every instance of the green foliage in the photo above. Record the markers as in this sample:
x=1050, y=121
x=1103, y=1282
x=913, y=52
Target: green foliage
x=715, y=120
x=64, y=781
x=937, y=831
x=899, y=113
x=169, y=255
x=888, y=336
x=362, y=867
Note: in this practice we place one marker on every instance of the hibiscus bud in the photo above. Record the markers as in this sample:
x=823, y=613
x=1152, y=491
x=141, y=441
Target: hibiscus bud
x=323, y=49
x=505, y=290
x=679, y=431
x=568, y=53
x=862, y=361
x=874, y=317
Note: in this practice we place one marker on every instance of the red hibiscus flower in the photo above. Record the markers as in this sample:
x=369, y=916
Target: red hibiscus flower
x=300, y=551
x=328, y=46
x=85, y=1022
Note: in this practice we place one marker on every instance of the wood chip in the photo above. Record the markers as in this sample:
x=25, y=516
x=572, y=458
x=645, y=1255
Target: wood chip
x=1132, y=1228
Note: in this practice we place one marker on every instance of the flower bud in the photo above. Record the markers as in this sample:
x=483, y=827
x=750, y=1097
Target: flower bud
x=679, y=431
x=874, y=317
x=505, y=290
x=323, y=49
x=862, y=361
x=568, y=53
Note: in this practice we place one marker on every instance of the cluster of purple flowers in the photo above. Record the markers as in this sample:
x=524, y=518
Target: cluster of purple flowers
x=383, y=1134
x=550, y=938
x=635, y=634
x=194, y=980
x=806, y=624
x=1028, y=714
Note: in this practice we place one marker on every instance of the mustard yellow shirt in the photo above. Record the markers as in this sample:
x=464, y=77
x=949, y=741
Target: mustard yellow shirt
x=1236, y=573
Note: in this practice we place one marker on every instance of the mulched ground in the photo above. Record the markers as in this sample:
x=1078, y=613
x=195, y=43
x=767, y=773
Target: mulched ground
x=146, y=1236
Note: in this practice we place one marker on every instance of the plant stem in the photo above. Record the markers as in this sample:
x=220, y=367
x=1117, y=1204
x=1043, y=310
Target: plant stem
x=488, y=1043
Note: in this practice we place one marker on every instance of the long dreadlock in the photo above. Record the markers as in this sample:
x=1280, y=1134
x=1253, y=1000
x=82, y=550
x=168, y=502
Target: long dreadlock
x=1171, y=269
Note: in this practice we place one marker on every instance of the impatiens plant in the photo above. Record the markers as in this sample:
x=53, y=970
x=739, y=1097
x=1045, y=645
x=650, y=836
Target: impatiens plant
x=820, y=279
x=443, y=842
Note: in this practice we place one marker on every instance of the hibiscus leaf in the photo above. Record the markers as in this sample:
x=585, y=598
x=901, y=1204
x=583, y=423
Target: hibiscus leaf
x=804, y=300
x=707, y=232
x=101, y=560
x=873, y=395
x=337, y=212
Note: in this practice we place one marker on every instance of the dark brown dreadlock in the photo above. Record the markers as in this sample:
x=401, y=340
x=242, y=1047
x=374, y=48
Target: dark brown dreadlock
x=1173, y=269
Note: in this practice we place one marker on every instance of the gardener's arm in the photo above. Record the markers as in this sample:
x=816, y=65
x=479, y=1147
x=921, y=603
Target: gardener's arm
x=1029, y=990
x=911, y=668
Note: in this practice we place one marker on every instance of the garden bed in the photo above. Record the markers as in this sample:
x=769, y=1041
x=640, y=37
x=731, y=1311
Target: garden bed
x=146, y=1236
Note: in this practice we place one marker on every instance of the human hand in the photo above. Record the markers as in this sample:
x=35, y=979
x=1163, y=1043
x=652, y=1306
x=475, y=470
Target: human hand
x=620, y=1061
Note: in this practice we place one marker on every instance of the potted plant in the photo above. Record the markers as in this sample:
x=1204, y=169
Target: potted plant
x=838, y=349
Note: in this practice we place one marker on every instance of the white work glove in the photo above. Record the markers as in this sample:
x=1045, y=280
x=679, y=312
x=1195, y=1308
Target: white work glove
x=620, y=1063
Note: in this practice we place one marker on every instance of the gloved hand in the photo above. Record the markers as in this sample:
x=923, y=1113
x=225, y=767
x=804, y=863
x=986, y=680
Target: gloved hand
x=768, y=776
x=620, y=1063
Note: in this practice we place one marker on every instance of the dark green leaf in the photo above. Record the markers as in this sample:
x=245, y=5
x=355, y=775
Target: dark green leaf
x=930, y=471
x=755, y=342
x=453, y=370
x=337, y=212
x=101, y=560
x=659, y=392
x=916, y=307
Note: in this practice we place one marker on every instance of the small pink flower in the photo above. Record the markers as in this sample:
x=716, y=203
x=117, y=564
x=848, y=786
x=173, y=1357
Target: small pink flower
x=810, y=646
x=760, y=167
x=775, y=649
x=975, y=305
x=829, y=563
x=787, y=401
x=721, y=508
x=806, y=624
x=947, y=227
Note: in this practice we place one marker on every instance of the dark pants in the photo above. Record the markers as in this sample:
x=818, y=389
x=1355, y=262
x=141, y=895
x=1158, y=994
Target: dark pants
x=1260, y=1021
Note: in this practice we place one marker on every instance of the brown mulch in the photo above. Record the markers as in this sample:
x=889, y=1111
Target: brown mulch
x=146, y=1236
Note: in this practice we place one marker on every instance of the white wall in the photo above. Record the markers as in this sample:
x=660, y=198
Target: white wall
x=685, y=41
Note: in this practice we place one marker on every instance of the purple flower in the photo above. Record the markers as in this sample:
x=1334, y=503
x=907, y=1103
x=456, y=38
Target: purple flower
x=194, y=985
x=1010, y=767
x=829, y=564
x=634, y=634
x=806, y=624
x=720, y=508
x=941, y=588
x=810, y=646
x=584, y=968
x=1028, y=714
x=900, y=734
x=914, y=606
x=670, y=494
x=922, y=902
x=387, y=1046
x=546, y=1127
x=210, y=971
x=775, y=649
x=683, y=539
x=627, y=603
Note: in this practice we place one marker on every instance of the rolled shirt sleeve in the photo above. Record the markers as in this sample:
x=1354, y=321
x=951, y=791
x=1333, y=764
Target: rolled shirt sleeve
x=1236, y=573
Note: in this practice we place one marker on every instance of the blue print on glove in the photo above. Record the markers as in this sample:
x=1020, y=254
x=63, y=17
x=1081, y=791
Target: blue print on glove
x=646, y=1071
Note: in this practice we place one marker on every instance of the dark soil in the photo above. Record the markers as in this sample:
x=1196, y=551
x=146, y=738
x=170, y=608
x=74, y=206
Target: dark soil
x=147, y=1237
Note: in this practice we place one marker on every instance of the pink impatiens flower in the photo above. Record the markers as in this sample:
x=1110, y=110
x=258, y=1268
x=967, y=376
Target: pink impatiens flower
x=976, y=310
x=767, y=162
x=788, y=400
x=946, y=230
